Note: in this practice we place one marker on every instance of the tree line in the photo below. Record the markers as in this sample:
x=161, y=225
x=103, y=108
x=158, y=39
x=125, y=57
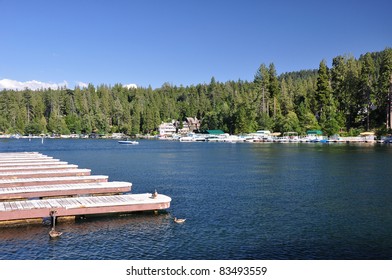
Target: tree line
x=351, y=96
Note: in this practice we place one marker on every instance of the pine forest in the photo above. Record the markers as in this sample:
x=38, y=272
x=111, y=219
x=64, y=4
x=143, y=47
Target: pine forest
x=351, y=96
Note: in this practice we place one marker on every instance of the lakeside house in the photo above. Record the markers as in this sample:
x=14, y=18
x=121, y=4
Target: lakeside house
x=167, y=129
x=170, y=128
x=193, y=124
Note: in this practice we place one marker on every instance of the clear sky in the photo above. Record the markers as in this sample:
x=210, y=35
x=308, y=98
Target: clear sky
x=181, y=42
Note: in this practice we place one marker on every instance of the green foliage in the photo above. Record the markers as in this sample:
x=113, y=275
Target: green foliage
x=291, y=122
x=33, y=128
x=384, y=99
x=352, y=132
x=74, y=123
x=324, y=90
x=354, y=95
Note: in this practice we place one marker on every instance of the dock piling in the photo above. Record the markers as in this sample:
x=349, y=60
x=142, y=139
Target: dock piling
x=53, y=218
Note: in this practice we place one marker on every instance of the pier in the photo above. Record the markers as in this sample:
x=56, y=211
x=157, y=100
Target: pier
x=32, y=186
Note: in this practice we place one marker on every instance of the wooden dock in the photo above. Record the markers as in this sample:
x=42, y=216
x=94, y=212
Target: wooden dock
x=76, y=206
x=32, y=186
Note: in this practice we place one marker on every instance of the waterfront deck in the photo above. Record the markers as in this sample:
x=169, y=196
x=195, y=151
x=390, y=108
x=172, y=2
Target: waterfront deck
x=33, y=185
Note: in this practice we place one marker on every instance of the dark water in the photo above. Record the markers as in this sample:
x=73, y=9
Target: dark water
x=241, y=201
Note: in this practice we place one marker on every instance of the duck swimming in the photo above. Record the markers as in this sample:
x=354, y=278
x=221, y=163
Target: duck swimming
x=179, y=221
x=54, y=233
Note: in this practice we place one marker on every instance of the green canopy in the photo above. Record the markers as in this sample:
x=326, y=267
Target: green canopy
x=215, y=131
x=317, y=132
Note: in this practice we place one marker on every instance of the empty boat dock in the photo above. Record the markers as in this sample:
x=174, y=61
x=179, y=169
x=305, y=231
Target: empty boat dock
x=33, y=185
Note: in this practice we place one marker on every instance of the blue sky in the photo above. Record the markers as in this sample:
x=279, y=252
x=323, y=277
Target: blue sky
x=181, y=42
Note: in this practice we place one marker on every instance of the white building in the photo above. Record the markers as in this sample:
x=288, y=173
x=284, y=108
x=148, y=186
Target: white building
x=167, y=129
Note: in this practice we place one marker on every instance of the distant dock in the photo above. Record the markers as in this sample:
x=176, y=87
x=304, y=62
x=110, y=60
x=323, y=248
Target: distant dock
x=32, y=186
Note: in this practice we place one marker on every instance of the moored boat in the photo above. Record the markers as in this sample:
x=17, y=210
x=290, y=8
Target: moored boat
x=128, y=142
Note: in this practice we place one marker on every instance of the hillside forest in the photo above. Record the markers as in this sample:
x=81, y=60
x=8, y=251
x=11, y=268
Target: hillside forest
x=351, y=96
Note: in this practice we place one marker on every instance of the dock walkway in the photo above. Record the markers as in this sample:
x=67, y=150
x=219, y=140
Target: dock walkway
x=43, y=173
x=33, y=185
x=64, y=189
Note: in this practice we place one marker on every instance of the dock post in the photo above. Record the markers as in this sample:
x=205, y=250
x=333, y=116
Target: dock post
x=53, y=218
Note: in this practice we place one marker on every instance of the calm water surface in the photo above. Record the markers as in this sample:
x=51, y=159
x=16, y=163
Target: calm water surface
x=241, y=201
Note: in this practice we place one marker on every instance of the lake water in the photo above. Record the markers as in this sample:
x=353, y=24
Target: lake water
x=241, y=201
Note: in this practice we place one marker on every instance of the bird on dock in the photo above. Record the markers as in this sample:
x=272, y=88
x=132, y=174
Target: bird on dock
x=54, y=233
x=179, y=221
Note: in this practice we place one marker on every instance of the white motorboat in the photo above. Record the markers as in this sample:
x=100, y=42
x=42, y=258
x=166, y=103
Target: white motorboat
x=128, y=142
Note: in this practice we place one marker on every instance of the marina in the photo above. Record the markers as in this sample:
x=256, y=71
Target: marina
x=33, y=187
x=265, y=136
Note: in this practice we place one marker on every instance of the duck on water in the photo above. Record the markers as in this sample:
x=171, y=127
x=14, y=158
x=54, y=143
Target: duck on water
x=53, y=233
x=179, y=221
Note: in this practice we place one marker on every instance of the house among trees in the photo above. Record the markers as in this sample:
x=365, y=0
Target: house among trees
x=189, y=125
x=193, y=124
x=167, y=129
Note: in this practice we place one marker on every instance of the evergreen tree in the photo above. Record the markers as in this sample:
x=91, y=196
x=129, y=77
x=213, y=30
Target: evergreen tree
x=286, y=102
x=262, y=86
x=345, y=86
x=329, y=119
x=273, y=89
x=367, y=84
x=135, y=119
x=385, y=88
x=291, y=123
x=323, y=91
